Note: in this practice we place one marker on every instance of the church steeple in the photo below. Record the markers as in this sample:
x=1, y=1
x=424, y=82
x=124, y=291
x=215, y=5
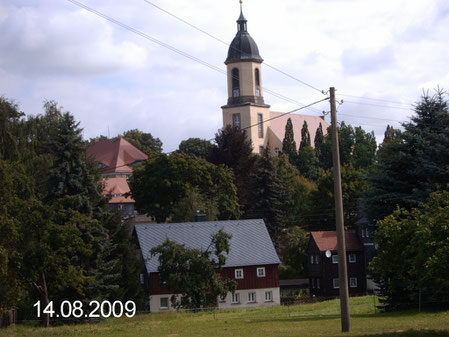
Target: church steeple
x=246, y=106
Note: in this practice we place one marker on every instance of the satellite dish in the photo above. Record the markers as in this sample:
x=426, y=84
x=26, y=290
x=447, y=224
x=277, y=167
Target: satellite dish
x=328, y=253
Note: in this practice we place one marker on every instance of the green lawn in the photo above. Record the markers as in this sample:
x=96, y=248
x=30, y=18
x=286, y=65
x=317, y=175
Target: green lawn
x=319, y=319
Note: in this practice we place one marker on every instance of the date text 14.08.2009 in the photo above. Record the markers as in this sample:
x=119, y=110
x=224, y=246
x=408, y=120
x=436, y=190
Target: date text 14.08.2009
x=94, y=309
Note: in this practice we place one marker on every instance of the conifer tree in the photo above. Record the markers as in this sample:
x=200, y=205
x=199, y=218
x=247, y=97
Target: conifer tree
x=305, y=135
x=289, y=144
x=319, y=140
x=268, y=197
x=411, y=167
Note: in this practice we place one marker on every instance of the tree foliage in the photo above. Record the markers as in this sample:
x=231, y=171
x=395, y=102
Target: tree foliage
x=293, y=253
x=323, y=210
x=233, y=149
x=305, y=136
x=165, y=181
x=412, y=163
x=196, y=146
x=413, y=252
x=288, y=143
x=144, y=141
x=194, y=273
x=268, y=197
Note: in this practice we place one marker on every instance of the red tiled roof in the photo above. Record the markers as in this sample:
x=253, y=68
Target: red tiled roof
x=116, y=154
x=117, y=186
x=277, y=125
x=327, y=240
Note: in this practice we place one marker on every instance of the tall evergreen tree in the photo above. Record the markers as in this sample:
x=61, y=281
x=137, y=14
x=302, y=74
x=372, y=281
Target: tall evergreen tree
x=233, y=149
x=268, y=197
x=410, y=168
x=288, y=143
x=305, y=135
x=319, y=140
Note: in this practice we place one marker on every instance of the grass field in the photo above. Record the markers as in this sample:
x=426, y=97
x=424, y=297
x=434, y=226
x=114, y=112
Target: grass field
x=319, y=319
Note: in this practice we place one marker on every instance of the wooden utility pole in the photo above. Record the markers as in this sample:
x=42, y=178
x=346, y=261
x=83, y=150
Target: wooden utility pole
x=342, y=266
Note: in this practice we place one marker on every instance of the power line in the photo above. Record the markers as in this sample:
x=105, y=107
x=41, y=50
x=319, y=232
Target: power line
x=378, y=105
x=176, y=50
x=227, y=44
x=375, y=99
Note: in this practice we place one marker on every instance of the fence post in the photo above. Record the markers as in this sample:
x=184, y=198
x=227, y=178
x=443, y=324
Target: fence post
x=288, y=307
x=214, y=314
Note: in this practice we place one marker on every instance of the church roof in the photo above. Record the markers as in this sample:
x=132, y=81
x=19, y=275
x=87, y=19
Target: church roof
x=115, y=155
x=277, y=125
x=243, y=47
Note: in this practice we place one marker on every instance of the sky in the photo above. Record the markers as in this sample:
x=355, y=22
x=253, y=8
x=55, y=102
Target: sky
x=379, y=55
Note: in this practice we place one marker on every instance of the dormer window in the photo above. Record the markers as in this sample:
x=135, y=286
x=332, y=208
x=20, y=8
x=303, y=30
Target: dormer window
x=235, y=83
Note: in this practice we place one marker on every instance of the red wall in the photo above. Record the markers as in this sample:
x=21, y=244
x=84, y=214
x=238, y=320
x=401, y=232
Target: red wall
x=249, y=281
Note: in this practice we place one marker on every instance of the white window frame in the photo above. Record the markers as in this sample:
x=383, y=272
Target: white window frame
x=268, y=296
x=261, y=274
x=160, y=303
x=335, y=259
x=236, y=274
x=276, y=150
x=252, y=297
x=336, y=283
x=352, y=258
x=353, y=282
x=317, y=259
x=235, y=298
x=312, y=259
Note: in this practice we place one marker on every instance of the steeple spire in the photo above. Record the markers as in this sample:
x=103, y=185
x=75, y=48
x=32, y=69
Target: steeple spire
x=241, y=22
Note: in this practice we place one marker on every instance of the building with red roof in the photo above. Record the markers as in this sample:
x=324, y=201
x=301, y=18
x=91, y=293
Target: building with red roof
x=322, y=268
x=116, y=158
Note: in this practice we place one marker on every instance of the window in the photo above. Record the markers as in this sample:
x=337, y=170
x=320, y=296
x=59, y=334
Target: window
x=236, y=121
x=235, y=83
x=352, y=258
x=336, y=283
x=260, y=124
x=261, y=272
x=335, y=259
x=261, y=150
x=318, y=283
x=276, y=150
x=313, y=283
x=239, y=274
x=142, y=279
x=163, y=303
x=257, y=75
x=312, y=260
x=236, y=298
x=222, y=299
x=317, y=259
x=268, y=296
x=353, y=282
x=252, y=297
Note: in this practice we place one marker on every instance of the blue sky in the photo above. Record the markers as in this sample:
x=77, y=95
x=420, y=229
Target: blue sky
x=113, y=80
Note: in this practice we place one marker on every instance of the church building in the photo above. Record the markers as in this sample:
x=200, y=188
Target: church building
x=246, y=106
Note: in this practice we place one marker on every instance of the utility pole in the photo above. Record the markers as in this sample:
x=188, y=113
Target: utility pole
x=342, y=266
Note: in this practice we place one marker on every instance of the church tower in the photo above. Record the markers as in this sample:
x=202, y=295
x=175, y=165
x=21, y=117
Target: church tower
x=246, y=105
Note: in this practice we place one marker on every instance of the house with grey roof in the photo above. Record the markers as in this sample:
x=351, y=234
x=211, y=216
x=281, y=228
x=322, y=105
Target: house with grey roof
x=252, y=260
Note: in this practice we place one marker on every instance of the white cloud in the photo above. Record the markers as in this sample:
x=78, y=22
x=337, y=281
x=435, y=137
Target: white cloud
x=113, y=79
